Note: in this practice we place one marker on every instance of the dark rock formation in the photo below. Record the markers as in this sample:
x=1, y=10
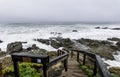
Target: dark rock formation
x=105, y=28
x=113, y=39
x=115, y=70
x=115, y=28
x=14, y=47
x=103, y=48
x=74, y=31
x=118, y=44
x=97, y=27
x=44, y=41
x=1, y=41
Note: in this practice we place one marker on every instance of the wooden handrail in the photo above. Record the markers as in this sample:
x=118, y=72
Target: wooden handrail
x=98, y=63
x=41, y=59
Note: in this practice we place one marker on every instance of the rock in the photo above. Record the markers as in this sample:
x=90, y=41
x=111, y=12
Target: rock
x=2, y=53
x=103, y=48
x=44, y=41
x=105, y=28
x=115, y=70
x=74, y=31
x=1, y=41
x=97, y=27
x=118, y=44
x=14, y=47
x=115, y=29
x=113, y=39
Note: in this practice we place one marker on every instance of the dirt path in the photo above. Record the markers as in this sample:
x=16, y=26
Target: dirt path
x=73, y=69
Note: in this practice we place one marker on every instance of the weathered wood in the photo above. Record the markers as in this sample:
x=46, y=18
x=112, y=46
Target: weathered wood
x=41, y=59
x=102, y=67
x=84, y=59
x=98, y=63
x=95, y=69
x=1, y=70
x=78, y=57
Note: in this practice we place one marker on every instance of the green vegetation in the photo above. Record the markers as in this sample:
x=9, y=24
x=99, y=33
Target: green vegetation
x=88, y=69
x=26, y=70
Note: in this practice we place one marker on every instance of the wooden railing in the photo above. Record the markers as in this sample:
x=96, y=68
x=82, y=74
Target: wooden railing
x=98, y=63
x=41, y=59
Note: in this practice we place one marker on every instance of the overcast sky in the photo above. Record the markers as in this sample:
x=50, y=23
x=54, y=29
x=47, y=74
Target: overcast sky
x=59, y=10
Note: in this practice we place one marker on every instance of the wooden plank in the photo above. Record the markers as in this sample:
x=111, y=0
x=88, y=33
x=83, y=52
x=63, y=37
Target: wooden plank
x=26, y=59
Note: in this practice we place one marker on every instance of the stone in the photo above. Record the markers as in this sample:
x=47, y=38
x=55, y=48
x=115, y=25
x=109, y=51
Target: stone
x=44, y=41
x=1, y=41
x=14, y=47
x=113, y=39
x=105, y=28
x=115, y=70
x=115, y=29
x=118, y=44
x=74, y=31
x=97, y=27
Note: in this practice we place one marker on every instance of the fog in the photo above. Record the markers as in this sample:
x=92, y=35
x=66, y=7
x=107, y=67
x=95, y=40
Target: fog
x=59, y=10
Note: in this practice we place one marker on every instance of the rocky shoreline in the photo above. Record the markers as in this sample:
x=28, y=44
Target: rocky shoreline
x=104, y=48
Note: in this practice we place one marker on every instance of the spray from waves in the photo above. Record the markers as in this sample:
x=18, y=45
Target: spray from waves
x=27, y=32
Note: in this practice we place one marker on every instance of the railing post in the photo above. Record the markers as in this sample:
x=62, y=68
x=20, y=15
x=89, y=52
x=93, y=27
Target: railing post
x=77, y=56
x=45, y=70
x=71, y=54
x=84, y=58
x=66, y=64
x=95, y=69
x=16, y=69
x=1, y=70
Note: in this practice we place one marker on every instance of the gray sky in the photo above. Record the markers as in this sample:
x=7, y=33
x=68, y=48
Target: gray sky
x=59, y=10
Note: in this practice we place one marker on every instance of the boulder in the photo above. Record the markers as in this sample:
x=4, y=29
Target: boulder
x=105, y=28
x=74, y=31
x=118, y=44
x=113, y=39
x=97, y=27
x=115, y=70
x=14, y=47
x=103, y=48
x=44, y=41
x=1, y=41
x=115, y=29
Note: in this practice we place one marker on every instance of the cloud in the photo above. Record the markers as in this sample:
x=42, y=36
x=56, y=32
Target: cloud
x=59, y=10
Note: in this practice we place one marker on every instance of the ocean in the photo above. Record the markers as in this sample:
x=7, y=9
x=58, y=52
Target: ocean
x=27, y=32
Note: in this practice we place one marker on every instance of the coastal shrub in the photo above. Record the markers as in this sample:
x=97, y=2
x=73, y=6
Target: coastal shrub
x=26, y=70
x=88, y=69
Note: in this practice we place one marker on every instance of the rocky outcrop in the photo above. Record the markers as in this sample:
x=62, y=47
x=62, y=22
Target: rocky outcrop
x=1, y=41
x=57, y=42
x=115, y=28
x=103, y=48
x=113, y=39
x=74, y=31
x=14, y=47
x=115, y=70
x=45, y=41
x=2, y=53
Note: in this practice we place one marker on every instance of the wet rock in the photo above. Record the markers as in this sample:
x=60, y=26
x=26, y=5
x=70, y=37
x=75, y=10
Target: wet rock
x=118, y=44
x=105, y=28
x=2, y=53
x=44, y=41
x=103, y=48
x=74, y=31
x=115, y=29
x=1, y=41
x=14, y=47
x=97, y=27
x=115, y=70
x=113, y=39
